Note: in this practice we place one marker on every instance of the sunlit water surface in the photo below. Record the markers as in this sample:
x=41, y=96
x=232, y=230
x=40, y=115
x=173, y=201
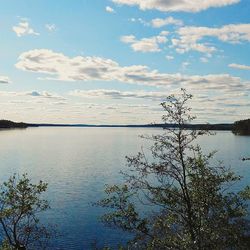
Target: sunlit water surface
x=78, y=162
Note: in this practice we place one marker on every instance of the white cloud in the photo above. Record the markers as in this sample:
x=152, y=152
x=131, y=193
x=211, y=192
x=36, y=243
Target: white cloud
x=109, y=9
x=164, y=33
x=139, y=20
x=176, y=5
x=128, y=39
x=44, y=94
x=50, y=27
x=61, y=67
x=169, y=57
x=23, y=28
x=239, y=66
x=190, y=37
x=159, y=22
x=4, y=80
x=151, y=44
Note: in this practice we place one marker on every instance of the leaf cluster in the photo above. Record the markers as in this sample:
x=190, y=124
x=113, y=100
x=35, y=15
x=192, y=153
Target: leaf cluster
x=20, y=203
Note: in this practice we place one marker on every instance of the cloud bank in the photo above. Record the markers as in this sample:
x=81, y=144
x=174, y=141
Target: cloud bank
x=190, y=37
x=116, y=94
x=80, y=68
x=176, y=5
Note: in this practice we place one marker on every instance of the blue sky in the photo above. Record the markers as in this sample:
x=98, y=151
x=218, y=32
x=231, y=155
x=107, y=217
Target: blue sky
x=114, y=61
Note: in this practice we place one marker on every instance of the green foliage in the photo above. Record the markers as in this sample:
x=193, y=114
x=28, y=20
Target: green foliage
x=190, y=199
x=20, y=202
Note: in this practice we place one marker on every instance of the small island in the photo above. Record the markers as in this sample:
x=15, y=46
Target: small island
x=242, y=127
x=6, y=124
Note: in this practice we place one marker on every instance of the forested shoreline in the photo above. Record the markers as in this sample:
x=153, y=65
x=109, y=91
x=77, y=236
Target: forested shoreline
x=10, y=124
x=241, y=127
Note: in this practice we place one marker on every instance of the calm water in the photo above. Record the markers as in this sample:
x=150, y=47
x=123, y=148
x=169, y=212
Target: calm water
x=78, y=162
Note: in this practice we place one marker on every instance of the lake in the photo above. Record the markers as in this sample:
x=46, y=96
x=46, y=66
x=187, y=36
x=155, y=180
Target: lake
x=78, y=162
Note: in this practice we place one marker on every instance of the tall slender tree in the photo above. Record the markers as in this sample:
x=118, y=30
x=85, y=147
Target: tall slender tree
x=188, y=199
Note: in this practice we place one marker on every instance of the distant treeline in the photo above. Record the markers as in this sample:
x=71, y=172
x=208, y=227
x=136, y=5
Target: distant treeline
x=239, y=127
x=187, y=126
x=10, y=124
x=242, y=127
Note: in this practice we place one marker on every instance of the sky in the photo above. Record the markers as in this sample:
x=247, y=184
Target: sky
x=115, y=61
